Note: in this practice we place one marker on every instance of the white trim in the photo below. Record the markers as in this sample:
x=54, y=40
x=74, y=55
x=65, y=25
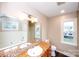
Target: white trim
x=75, y=31
x=11, y=46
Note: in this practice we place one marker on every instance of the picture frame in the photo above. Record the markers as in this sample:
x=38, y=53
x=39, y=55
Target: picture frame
x=9, y=23
x=10, y=26
x=37, y=31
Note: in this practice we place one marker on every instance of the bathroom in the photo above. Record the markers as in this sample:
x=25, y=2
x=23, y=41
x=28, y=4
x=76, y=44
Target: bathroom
x=29, y=26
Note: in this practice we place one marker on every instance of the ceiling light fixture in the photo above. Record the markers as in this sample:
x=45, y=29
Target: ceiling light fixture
x=62, y=11
x=32, y=19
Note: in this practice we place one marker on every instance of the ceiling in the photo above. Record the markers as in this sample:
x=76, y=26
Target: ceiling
x=50, y=9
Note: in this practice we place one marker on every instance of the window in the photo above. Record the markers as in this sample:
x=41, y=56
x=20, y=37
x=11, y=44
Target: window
x=69, y=33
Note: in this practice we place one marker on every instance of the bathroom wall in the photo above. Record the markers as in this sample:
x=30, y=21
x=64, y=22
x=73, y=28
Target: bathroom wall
x=16, y=10
x=78, y=28
x=54, y=31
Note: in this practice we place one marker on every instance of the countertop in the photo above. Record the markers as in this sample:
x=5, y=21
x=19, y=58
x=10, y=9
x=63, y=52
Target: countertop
x=43, y=45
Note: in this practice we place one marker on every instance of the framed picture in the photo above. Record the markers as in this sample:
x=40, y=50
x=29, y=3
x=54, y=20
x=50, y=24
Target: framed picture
x=37, y=31
x=10, y=25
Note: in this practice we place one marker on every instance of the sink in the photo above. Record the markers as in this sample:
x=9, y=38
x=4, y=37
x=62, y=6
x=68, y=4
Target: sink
x=35, y=51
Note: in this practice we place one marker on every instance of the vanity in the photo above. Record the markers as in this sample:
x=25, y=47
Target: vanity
x=43, y=47
x=34, y=49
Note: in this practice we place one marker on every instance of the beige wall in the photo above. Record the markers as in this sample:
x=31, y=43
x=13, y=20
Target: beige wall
x=78, y=28
x=54, y=31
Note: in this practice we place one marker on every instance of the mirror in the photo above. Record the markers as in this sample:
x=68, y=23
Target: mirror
x=13, y=31
x=34, y=31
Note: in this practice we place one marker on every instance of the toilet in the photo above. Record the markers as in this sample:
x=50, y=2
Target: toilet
x=53, y=49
